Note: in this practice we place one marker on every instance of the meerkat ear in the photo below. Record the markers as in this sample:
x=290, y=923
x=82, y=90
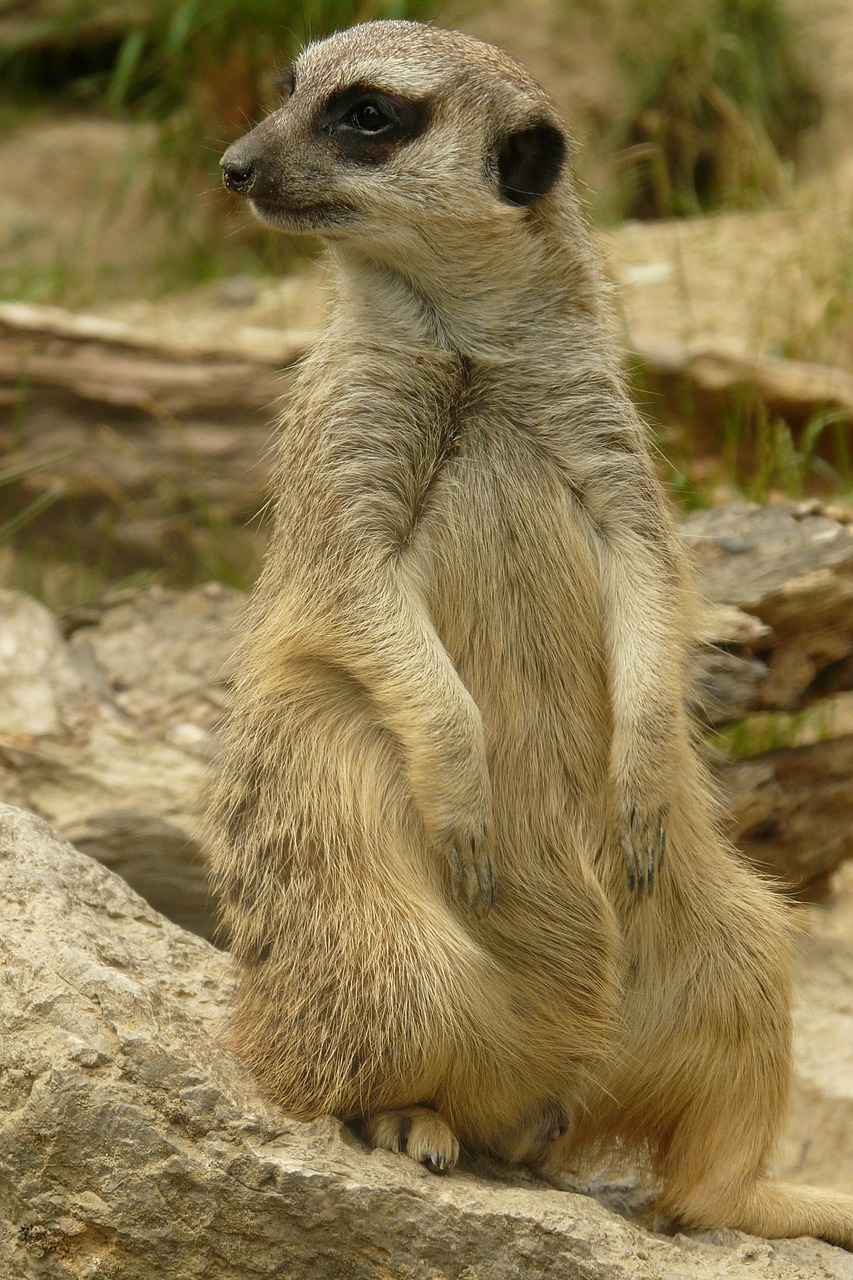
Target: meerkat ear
x=529, y=162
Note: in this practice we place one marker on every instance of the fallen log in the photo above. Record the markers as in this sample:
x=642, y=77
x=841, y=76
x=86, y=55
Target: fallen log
x=790, y=811
x=709, y=390
x=781, y=636
x=55, y=359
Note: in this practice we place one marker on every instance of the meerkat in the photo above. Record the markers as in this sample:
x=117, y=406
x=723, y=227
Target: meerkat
x=458, y=747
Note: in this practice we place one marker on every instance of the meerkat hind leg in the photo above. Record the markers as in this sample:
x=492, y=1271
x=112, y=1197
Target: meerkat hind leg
x=418, y=1132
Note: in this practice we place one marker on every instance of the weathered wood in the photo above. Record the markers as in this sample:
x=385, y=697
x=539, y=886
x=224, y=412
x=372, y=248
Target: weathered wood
x=788, y=567
x=791, y=812
x=33, y=326
x=53, y=358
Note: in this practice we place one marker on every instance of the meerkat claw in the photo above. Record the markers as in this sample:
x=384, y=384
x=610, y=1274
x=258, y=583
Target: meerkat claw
x=493, y=888
x=418, y=1132
x=644, y=855
x=630, y=863
x=473, y=878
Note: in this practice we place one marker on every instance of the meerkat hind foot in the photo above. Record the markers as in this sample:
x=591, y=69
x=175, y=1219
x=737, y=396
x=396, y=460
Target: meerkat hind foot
x=418, y=1132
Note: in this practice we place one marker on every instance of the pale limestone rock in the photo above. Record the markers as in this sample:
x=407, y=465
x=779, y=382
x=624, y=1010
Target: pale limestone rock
x=132, y=1147
x=39, y=684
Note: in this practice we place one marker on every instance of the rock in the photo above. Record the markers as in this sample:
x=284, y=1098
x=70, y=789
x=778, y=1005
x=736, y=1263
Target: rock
x=779, y=639
x=789, y=567
x=40, y=687
x=132, y=1147
x=161, y=655
x=107, y=735
x=791, y=812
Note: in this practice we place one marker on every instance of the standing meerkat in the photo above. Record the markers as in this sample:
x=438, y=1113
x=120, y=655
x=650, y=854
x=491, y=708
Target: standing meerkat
x=459, y=710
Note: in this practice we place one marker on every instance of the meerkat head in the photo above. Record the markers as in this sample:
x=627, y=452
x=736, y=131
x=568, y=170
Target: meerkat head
x=397, y=135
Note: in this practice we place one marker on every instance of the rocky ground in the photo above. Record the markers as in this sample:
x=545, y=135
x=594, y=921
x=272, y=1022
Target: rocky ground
x=133, y=1147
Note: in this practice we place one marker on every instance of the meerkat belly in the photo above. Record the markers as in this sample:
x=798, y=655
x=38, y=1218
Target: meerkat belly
x=504, y=558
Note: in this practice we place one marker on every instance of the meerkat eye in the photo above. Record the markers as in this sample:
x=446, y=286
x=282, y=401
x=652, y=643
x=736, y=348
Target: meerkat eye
x=367, y=124
x=368, y=116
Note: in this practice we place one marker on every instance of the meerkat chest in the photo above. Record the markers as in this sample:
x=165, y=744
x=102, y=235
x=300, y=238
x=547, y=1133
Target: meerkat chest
x=427, y=452
x=423, y=461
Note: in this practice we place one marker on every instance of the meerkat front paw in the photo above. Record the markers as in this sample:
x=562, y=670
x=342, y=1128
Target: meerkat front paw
x=644, y=847
x=420, y=1133
x=457, y=811
x=473, y=874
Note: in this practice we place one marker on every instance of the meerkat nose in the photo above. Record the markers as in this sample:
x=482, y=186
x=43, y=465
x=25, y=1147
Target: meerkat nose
x=238, y=170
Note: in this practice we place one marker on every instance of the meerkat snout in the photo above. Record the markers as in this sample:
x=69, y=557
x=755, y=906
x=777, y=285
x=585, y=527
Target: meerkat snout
x=238, y=170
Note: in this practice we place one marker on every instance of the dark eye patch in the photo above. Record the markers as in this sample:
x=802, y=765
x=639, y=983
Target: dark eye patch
x=367, y=124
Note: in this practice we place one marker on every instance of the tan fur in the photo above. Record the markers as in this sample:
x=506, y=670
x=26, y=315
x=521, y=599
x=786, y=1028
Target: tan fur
x=465, y=662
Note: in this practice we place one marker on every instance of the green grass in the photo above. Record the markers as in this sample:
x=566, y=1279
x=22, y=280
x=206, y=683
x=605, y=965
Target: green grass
x=216, y=58
x=62, y=584
x=716, y=96
x=203, y=551
x=747, y=451
x=765, y=455
x=760, y=458
x=193, y=76
x=9, y=475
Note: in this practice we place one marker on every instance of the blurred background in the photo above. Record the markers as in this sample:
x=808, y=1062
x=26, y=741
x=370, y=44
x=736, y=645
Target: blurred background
x=148, y=329
x=717, y=162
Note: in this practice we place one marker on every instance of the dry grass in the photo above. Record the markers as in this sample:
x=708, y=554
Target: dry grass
x=716, y=97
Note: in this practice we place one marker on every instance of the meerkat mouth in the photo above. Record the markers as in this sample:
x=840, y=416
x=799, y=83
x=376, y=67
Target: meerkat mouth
x=279, y=213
